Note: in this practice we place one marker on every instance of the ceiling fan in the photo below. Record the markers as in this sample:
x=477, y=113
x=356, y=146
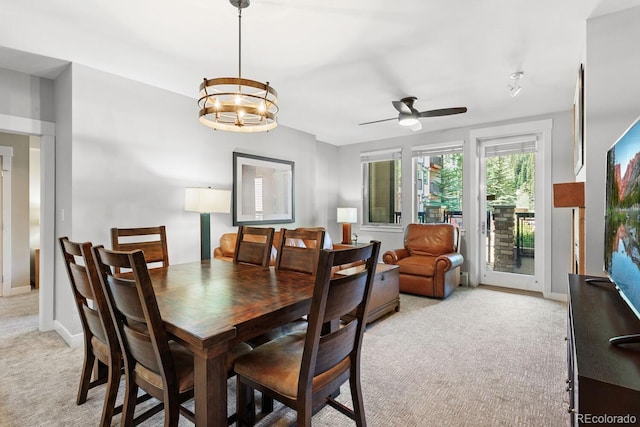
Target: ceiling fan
x=408, y=115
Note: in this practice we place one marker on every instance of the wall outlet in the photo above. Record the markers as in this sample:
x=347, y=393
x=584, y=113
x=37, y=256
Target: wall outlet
x=464, y=278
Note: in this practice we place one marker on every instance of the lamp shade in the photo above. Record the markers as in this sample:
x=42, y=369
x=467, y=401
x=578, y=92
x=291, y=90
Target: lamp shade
x=348, y=215
x=207, y=200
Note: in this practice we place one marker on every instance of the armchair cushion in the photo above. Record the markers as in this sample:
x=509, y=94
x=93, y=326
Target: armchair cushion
x=227, y=247
x=430, y=241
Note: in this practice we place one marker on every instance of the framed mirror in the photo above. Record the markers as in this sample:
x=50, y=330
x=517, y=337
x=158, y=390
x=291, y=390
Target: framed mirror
x=263, y=190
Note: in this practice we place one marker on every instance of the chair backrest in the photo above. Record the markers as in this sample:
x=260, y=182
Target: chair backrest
x=296, y=256
x=134, y=309
x=431, y=239
x=150, y=240
x=254, y=245
x=85, y=284
x=338, y=350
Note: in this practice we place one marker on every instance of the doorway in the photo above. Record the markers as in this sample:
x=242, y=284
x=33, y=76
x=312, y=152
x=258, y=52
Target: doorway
x=46, y=132
x=508, y=207
x=508, y=213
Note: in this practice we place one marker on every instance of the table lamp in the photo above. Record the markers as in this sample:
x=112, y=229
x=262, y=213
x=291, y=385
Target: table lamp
x=347, y=216
x=206, y=201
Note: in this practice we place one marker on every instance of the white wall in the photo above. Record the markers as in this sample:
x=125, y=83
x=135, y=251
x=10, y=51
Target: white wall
x=24, y=95
x=131, y=151
x=612, y=103
x=350, y=189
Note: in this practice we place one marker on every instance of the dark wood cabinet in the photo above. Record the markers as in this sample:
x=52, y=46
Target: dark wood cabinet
x=385, y=294
x=604, y=380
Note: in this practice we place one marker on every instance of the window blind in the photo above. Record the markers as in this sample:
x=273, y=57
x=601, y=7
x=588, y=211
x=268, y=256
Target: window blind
x=381, y=156
x=430, y=150
x=510, y=146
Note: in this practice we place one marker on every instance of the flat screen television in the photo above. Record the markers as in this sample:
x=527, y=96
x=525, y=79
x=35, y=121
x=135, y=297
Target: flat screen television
x=622, y=221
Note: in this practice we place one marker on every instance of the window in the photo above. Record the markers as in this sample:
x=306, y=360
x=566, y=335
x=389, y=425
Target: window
x=382, y=181
x=437, y=189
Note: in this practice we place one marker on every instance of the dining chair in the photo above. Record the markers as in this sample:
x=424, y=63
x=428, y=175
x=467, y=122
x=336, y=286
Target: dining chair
x=299, y=251
x=294, y=256
x=161, y=367
x=303, y=370
x=101, y=347
x=150, y=240
x=254, y=246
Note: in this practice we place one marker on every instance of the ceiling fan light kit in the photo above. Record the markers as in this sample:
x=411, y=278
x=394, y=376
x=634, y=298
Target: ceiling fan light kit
x=408, y=116
x=236, y=104
x=407, y=120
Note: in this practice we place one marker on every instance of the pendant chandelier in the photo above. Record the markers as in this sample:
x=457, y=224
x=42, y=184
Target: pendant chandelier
x=236, y=104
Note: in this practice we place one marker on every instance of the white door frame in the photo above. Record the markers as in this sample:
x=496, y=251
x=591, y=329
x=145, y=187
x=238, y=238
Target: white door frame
x=6, y=154
x=528, y=282
x=543, y=180
x=46, y=132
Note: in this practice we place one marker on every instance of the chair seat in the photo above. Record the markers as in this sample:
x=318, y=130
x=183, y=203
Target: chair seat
x=100, y=349
x=418, y=265
x=276, y=365
x=183, y=363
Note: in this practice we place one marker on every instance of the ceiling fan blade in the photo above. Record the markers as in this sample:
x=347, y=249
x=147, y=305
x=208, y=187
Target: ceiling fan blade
x=401, y=107
x=443, y=112
x=377, y=121
x=416, y=127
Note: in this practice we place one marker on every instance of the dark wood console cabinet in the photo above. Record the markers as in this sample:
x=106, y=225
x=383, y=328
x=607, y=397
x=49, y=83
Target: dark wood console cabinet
x=385, y=294
x=604, y=380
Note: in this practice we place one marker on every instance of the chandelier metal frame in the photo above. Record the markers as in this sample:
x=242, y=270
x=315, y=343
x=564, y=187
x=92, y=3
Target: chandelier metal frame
x=237, y=104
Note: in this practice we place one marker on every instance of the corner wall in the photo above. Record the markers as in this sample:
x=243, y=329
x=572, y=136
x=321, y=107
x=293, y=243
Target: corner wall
x=126, y=151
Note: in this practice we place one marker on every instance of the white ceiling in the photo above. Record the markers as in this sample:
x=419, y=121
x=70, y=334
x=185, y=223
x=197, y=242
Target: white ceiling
x=334, y=63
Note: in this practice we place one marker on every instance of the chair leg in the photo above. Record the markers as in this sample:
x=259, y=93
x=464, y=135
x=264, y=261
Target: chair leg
x=171, y=410
x=129, y=405
x=267, y=404
x=358, y=403
x=304, y=414
x=111, y=393
x=85, y=378
x=245, y=405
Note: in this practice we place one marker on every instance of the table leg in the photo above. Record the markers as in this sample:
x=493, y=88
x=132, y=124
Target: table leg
x=210, y=389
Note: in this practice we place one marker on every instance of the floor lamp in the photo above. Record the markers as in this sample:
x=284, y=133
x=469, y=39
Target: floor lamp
x=347, y=216
x=206, y=201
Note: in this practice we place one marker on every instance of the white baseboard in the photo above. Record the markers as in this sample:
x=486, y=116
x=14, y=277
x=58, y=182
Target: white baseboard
x=72, y=341
x=555, y=296
x=17, y=291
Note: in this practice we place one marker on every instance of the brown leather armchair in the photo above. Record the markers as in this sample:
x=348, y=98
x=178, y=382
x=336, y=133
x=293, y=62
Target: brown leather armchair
x=430, y=260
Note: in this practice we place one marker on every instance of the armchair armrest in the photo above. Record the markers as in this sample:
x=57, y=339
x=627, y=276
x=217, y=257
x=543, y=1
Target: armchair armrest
x=217, y=253
x=395, y=255
x=449, y=261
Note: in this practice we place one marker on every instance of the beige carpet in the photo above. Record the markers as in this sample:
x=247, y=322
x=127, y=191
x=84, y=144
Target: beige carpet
x=479, y=358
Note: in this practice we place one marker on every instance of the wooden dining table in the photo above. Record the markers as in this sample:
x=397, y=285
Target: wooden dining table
x=209, y=306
